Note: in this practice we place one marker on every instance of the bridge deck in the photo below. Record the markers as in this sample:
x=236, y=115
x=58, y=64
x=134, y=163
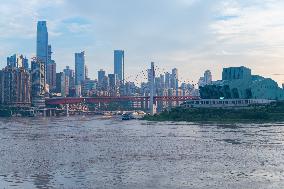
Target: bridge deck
x=108, y=99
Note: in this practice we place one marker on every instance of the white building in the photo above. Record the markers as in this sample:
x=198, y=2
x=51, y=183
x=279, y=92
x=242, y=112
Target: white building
x=224, y=103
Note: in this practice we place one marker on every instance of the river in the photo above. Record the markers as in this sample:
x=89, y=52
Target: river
x=94, y=152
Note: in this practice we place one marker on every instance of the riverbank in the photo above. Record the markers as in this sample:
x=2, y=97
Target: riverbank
x=269, y=113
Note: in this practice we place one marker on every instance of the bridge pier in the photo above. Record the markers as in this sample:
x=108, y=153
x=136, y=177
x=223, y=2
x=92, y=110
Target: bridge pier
x=67, y=110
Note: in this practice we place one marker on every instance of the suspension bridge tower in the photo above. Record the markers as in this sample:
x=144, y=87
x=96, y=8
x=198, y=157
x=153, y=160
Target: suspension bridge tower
x=152, y=88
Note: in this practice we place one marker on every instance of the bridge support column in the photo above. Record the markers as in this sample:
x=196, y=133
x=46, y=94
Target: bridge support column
x=67, y=109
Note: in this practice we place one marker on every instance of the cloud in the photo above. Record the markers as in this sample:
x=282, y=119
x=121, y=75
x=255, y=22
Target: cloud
x=189, y=34
x=252, y=28
x=79, y=28
x=18, y=18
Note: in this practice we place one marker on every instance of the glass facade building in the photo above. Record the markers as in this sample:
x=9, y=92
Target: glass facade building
x=42, y=42
x=18, y=61
x=101, y=75
x=119, y=64
x=80, y=67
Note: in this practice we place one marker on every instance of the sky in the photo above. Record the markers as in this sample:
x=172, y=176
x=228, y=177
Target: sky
x=191, y=35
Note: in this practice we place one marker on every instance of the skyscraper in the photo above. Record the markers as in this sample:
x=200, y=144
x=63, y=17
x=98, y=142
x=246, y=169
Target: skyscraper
x=26, y=63
x=15, y=86
x=149, y=72
x=17, y=61
x=162, y=79
x=88, y=87
x=119, y=64
x=12, y=61
x=207, y=77
x=37, y=83
x=42, y=42
x=86, y=72
x=70, y=73
x=50, y=70
x=174, y=79
x=105, y=84
x=62, y=84
x=79, y=67
x=113, y=84
x=101, y=75
x=167, y=80
x=51, y=75
x=49, y=54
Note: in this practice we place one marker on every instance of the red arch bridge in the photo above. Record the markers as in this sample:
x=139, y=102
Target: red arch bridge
x=109, y=99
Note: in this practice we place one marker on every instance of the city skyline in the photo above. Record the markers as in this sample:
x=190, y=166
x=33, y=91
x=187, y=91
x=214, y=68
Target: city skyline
x=227, y=34
x=141, y=94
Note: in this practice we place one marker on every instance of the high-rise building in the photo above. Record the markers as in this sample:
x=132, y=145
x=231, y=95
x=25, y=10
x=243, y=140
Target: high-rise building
x=58, y=82
x=167, y=80
x=101, y=75
x=88, y=86
x=65, y=85
x=149, y=72
x=15, y=87
x=62, y=84
x=119, y=64
x=17, y=61
x=26, y=63
x=105, y=84
x=12, y=61
x=80, y=67
x=187, y=89
x=206, y=79
x=42, y=42
x=162, y=80
x=49, y=54
x=51, y=75
x=38, y=83
x=131, y=89
x=174, y=79
x=86, y=72
x=201, y=82
x=113, y=84
x=71, y=74
x=158, y=83
x=59, y=77
x=50, y=70
x=78, y=90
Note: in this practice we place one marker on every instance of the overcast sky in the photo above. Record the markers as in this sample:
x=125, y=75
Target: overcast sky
x=191, y=35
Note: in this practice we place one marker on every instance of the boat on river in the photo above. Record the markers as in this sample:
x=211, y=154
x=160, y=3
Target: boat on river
x=133, y=115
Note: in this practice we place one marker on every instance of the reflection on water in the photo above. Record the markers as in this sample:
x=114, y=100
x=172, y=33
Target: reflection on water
x=90, y=152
